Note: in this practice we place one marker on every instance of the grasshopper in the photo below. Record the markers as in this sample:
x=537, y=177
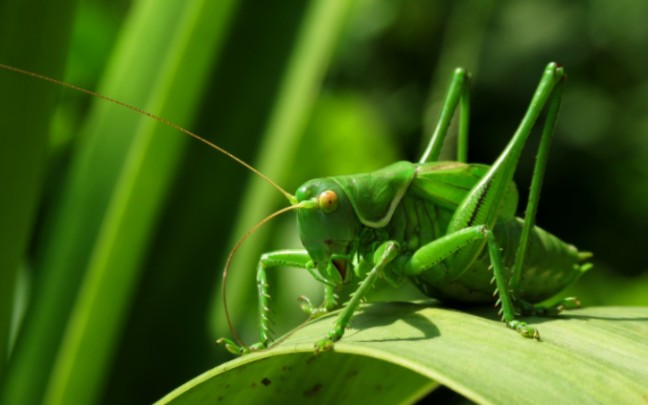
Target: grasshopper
x=448, y=226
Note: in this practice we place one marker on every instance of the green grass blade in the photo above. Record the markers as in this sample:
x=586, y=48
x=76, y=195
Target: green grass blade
x=594, y=355
x=460, y=48
x=112, y=272
x=187, y=255
x=25, y=108
x=96, y=236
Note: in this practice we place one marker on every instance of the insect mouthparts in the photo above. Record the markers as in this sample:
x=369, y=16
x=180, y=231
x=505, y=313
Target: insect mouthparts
x=340, y=265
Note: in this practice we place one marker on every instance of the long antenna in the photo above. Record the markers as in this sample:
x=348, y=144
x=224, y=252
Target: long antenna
x=289, y=196
x=229, y=261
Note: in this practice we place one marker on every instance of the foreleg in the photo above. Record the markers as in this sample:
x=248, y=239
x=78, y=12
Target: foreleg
x=286, y=258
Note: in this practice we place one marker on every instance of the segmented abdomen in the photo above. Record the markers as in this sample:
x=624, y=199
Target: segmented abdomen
x=550, y=265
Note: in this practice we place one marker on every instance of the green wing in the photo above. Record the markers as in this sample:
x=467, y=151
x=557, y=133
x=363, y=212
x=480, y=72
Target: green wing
x=446, y=184
x=376, y=195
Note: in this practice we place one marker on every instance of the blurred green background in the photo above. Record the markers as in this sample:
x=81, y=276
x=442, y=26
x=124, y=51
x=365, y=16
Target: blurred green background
x=115, y=230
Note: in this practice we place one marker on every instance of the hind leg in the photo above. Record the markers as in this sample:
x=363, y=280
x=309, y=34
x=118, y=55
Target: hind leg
x=528, y=309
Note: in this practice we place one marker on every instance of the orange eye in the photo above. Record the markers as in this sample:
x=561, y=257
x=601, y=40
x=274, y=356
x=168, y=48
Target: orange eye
x=328, y=201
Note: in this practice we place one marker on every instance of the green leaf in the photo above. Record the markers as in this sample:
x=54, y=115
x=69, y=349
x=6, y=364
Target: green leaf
x=400, y=351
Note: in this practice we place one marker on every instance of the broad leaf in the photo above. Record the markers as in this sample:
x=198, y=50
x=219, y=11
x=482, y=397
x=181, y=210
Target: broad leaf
x=401, y=351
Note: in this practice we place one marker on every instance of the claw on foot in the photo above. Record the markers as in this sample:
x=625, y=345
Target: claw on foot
x=568, y=303
x=323, y=345
x=241, y=350
x=232, y=347
x=305, y=304
x=327, y=343
x=523, y=329
x=309, y=308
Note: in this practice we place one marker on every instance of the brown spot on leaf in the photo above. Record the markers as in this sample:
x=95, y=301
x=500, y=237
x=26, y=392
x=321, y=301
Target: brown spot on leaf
x=312, y=391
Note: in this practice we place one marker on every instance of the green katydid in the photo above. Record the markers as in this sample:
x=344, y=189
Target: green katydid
x=439, y=223
x=442, y=224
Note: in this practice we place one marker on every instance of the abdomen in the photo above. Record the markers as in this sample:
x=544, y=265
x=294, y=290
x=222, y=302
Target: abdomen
x=550, y=266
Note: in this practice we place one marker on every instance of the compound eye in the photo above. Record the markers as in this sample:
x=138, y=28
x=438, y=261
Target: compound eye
x=328, y=201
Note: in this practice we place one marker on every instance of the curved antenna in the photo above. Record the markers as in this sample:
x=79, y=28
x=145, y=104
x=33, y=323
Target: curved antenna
x=290, y=197
x=240, y=161
x=236, y=247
